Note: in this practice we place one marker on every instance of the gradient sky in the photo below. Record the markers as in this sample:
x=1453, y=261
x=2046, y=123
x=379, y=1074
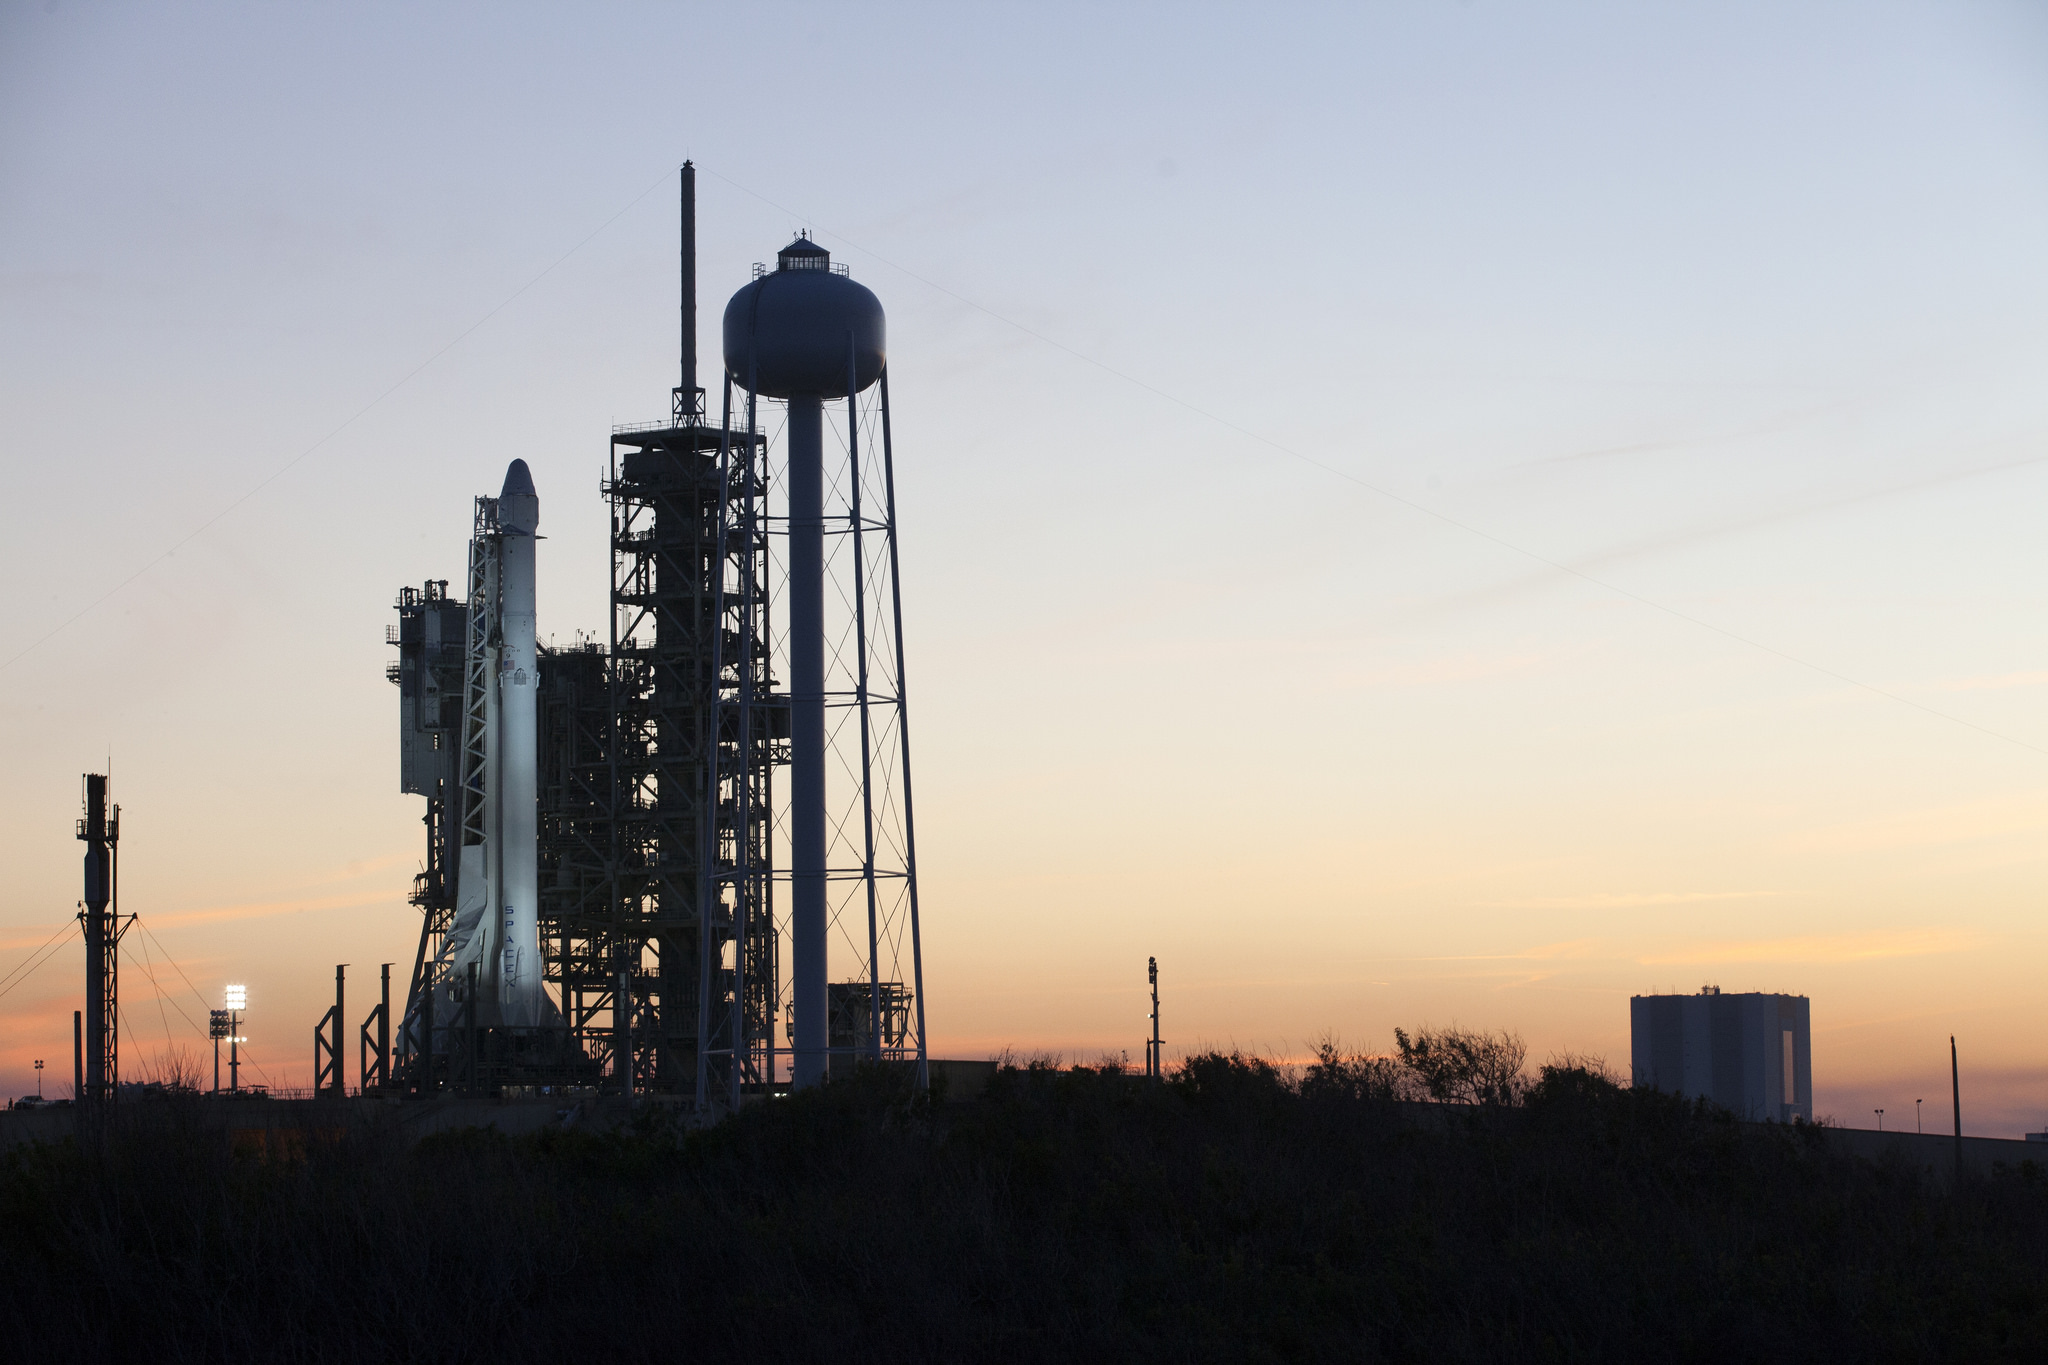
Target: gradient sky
x=1411, y=513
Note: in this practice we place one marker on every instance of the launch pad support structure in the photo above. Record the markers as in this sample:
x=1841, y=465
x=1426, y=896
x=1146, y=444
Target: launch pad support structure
x=661, y=841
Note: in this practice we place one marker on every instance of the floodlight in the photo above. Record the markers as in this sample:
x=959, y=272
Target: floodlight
x=238, y=997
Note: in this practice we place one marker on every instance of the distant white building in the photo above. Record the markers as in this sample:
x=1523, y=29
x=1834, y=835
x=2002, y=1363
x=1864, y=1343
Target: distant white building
x=1750, y=1053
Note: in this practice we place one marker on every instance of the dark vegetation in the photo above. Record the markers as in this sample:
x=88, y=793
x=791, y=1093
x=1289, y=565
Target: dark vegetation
x=1231, y=1214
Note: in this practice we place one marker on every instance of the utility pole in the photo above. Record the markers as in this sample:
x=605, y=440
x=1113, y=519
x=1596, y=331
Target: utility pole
x=1155, y=1067
x=1955, y=1085
x=1916, y=1116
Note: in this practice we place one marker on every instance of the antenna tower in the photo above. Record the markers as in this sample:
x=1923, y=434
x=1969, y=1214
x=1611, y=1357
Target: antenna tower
x=100, y=915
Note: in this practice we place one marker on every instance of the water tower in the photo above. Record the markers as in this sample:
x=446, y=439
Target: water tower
x=801, y=337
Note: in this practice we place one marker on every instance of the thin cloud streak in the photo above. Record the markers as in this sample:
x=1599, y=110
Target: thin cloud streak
x=1994, y=683
x=1585, y=565
x=1864, y=947
x=1969, y=823
x=1775, y=427
x=267, y=909
x=1433, y=672
x=1623, y=900
x=1867, y=946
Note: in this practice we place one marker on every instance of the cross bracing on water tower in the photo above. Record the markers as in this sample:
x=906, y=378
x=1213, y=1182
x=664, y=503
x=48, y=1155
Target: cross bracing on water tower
x=874, y=1011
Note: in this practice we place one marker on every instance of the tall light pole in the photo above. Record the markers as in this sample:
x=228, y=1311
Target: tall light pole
x=1880, y=1120
x=217, y=1028
x=1955, y=1090
x=1916, y=1116
x=39, y=1078
x=238, y=1000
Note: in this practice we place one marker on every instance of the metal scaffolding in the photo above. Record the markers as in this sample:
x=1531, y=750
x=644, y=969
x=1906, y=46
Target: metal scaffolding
x=695, y=739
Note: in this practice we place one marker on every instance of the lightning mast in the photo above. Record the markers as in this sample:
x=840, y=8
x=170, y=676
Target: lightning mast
x=100, y=915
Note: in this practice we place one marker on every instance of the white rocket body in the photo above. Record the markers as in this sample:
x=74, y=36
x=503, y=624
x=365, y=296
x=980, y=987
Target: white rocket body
x=513, y=940
x=497, y=882
x=512, y=960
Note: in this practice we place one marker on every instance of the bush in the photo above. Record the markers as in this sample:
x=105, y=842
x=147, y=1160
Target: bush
x=1335, y=1075
x=1458, y=1067
x=1078, y=1213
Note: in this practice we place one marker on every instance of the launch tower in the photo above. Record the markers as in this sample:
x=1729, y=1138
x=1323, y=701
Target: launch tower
x=665, y=851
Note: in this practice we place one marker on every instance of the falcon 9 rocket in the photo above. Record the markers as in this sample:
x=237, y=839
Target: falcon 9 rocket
x=513, y=953
x=469, y=680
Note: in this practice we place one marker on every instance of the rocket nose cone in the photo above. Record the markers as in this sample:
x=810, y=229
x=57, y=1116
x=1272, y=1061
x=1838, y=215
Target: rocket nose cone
x=518, y=505
x=518, y=482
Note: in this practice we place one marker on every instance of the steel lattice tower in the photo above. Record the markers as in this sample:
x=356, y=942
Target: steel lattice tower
x=100, y=829
x=804, y=349
x=672, y=976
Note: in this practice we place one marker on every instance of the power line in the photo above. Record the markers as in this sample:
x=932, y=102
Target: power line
x=49, y=946
x=37, y=958
x=121, y=1023
x=149, y=970
x=196, y=994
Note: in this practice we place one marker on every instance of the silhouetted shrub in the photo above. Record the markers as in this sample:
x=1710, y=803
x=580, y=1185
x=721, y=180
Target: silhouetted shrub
x=1336, y=1075
x=1456, y=1066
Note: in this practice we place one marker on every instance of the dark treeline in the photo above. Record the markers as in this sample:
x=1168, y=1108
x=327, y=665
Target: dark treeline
x=1228, y=1215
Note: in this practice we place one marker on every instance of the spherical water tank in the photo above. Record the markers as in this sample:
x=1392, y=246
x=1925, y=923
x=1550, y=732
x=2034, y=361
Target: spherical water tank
x=789, y=332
